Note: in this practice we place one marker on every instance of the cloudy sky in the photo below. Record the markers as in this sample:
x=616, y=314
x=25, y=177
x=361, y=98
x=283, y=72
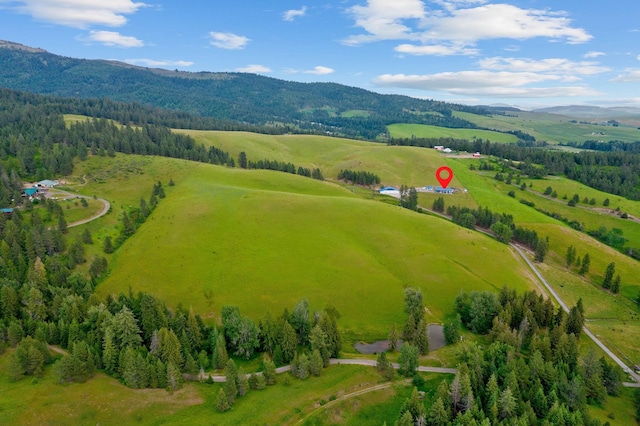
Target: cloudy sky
x=518, y=52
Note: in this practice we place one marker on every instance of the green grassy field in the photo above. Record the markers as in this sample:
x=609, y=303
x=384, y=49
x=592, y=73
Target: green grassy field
x=263, y=240
x=552, y=128
x=427, y=131
x=395, y=165
x=103, y=400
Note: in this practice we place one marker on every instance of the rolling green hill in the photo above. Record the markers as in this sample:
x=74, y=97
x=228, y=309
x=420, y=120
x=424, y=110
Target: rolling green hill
x=263, y=240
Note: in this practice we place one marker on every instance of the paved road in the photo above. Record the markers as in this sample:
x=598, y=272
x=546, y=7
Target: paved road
x=588, y=332
x=564, y=306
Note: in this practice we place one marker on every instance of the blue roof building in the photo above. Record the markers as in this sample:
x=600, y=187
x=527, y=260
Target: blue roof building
x=388, y=188
x=441, y=190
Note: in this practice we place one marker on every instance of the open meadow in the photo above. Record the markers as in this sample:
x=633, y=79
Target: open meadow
x=553, y=128
x=263, y=240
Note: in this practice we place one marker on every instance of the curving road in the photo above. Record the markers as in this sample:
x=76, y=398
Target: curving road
x=105, y=206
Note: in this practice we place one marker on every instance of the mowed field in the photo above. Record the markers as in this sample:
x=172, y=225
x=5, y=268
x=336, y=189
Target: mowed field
x=428, y=131
x=553, y=128
x=263, y=240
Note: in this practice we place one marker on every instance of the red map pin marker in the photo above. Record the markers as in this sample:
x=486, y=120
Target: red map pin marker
x=444, y=181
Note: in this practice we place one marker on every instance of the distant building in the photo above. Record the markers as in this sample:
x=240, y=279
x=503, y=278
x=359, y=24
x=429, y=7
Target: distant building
x=390, y=190
x=441, y=190
x=7, y=211
x=476, y=154
x=438, y=147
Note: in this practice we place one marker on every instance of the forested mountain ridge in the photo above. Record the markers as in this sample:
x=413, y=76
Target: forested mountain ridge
x=243, y=97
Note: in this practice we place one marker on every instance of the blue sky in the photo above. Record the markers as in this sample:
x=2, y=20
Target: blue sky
x=518, y=52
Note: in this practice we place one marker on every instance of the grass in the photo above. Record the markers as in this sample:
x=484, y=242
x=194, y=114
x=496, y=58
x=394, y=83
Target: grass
x=259, y=407
x=616, y=411
x=263, y=240
x=551, y=127
x=394, y=165
x=428, y=131
x=101, y=400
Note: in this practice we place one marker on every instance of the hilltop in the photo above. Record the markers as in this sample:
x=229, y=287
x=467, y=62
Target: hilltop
x=242, y=97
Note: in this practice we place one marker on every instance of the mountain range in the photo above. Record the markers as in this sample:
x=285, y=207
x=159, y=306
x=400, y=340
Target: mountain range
x=243, y=97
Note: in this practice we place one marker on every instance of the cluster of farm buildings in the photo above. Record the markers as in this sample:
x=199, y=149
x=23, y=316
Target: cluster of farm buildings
x=32, y=191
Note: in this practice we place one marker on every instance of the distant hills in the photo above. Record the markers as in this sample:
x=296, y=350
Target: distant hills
x=585, y=111
x=242, y=97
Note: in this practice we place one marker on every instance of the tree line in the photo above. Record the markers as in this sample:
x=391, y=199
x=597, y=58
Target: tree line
x=359, y=177
x=530, y=372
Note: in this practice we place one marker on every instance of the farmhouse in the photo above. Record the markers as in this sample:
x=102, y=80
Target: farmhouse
x=438, y=147
x=8, y=211
x=30, y=192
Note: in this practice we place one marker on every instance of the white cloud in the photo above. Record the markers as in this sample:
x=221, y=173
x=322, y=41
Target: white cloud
x=255, y=69
x=112, y=38
x=485, y=83
x=383, y=20
x=590, y=55
x=292, y=14
x=631, y=75
x=437, y=50
x=228, y=40
x=155, y=63
x=553, y=65
x=79, y=13
x=454, y=25
x=320, y=70
x=493, y=21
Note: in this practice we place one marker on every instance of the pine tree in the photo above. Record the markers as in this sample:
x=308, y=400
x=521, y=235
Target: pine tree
x=393, y=338
x=586, y=262
x=385, y=367
x=174, y=378
x=231, y=388
x=571, y=256
x=315, y=363
x=422, y=337
x=318, y=341
x=222, y=403
x=108, y=245
x=608, y=275
x=269, y=371
x=438, y=415
x=242, y=382
x=615, y=285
